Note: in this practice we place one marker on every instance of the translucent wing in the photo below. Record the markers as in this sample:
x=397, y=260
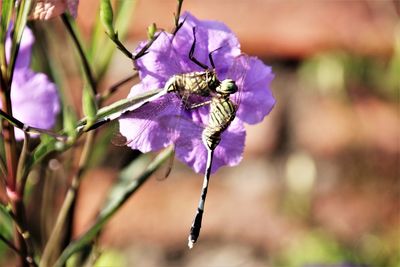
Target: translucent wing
x=143, y=127
x=238, y=72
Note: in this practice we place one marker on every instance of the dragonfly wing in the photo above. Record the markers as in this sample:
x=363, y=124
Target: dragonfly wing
x=256, y=99
x=238, y=72
x=143, y=127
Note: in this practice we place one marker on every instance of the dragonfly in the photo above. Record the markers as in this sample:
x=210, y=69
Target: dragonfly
x=222, y=111
x=198, y=83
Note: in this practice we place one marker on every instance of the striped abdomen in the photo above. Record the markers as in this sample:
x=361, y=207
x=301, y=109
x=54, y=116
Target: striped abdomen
x=222, y=113
x=198, y=83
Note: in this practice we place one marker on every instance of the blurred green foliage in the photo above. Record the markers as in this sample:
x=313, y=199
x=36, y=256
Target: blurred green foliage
x=337, y=72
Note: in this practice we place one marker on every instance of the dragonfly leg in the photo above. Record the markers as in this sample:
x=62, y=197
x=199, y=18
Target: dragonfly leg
x=145, y=48
x=191, y=52
x=211, y=58
x=194, y=106
x=178, y=26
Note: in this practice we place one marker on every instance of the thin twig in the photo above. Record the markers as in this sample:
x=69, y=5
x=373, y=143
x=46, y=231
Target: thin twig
x=22, y=171
x=106, y=94
x=86, y=66
x=16, y=250
x=24, y=234
x=177, y=15
x=10, y=244
x=30, y=129
x=3, y=169
x=144, y=51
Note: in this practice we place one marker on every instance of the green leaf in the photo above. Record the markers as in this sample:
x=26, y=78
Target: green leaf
x=6, y=12
x=22, y=16
x=89, y=105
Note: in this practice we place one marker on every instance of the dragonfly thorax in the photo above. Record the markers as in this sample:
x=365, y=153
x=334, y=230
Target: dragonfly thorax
x=203, y=83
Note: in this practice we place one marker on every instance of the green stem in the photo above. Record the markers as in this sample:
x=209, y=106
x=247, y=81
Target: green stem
x=143, y=51
x=9, y=141
x=113, y=207
x=52, y=246
x=86, y=66
x=10, y=244
x=22, y=170
x=177, y=15
x=3, y=169
x=22, y=175
x=20, y=22
x=15, y=249
x=121, y=46
x=24, y=237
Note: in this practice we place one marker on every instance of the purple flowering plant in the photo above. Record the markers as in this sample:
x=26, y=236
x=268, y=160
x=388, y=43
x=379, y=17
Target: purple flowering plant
x=31, y=106
x=34, y=97
x=159, y=123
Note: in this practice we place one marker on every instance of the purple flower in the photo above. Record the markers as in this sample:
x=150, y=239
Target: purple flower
x=161, y=122
x=34, y=98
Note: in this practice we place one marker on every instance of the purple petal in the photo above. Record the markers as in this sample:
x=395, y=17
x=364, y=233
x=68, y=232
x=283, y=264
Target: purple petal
x=256, y=100
x=34, y=99
x=143, y=127
x=25, y=49
x=162, y=123
x=191, y=150
x=159, y=64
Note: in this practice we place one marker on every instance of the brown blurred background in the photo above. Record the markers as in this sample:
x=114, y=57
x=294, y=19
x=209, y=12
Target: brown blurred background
x=319, y=183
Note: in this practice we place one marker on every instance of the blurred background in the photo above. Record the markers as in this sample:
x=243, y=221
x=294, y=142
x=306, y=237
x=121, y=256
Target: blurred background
x=319, y=184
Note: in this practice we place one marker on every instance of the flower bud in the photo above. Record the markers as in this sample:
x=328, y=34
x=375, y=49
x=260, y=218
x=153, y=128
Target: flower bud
x=107, y=17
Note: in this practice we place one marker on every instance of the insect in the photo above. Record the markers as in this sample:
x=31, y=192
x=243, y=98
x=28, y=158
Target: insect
x=203, y=84
x=197, y=89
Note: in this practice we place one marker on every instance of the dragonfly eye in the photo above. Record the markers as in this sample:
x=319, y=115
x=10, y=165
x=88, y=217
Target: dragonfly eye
x=227, y=86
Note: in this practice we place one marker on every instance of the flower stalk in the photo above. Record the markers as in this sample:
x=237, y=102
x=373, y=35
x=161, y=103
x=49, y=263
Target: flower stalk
x=52, y=248
x=69, y=24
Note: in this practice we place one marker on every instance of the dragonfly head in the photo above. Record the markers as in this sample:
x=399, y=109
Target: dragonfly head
x=227, y=87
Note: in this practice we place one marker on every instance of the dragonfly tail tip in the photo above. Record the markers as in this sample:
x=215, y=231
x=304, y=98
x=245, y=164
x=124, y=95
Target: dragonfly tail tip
x=190, y=244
